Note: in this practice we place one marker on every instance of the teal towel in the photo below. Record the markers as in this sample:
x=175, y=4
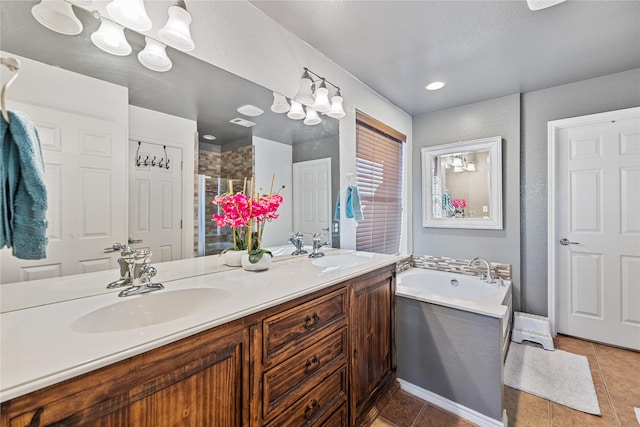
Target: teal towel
x=23, y=199
x=353, y=206
x=336, y=214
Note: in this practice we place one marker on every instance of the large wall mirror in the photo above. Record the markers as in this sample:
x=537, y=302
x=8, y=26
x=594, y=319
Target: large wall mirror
x=462, y=184
x=192, y=89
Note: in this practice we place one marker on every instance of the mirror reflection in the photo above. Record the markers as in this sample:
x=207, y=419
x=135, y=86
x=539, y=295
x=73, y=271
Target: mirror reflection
x=462, y=184
x=193, y=93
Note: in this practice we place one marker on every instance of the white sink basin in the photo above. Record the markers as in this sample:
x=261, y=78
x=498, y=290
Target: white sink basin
x=149, y=309
x=340, y=261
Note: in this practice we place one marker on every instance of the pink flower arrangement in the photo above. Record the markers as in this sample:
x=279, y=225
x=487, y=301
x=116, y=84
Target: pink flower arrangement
x=247, y=216
x=459, y=203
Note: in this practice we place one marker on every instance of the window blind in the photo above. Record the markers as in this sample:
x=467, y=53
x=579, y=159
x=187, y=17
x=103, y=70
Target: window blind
x=379, y=180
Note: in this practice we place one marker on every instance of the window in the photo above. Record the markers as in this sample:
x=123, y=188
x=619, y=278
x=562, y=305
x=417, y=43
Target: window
x=379, y=180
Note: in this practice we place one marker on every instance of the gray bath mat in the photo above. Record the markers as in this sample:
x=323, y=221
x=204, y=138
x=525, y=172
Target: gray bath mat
x=557, y=375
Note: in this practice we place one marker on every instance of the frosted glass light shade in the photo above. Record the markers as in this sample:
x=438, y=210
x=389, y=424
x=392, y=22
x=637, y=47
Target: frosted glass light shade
x=110, y=38
x=471, y=167
x=154, y=56
x=176, y=31
x=336, y=111
x=130, y=13
x=312, y=117
x=457, y=169
x=280, y=104
x=305, y=94
x=457, y=162
x=296, y=112
x=321, y=103
x=58, y=16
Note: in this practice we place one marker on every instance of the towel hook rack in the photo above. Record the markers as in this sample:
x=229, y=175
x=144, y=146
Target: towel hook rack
x=13, y=64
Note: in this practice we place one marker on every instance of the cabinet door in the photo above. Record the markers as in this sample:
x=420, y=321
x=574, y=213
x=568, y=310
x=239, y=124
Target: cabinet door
x=373, y=337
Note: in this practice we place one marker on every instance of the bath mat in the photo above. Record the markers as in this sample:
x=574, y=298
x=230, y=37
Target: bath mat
x=558, y=375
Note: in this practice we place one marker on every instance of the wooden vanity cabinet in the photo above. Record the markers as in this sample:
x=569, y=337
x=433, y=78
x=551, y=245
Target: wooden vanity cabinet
x=324, y=359
x=202, y=380
x=373, y=353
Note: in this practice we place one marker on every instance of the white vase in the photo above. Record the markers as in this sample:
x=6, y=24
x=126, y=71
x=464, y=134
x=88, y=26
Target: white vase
x=234, y=258
x=263, y=264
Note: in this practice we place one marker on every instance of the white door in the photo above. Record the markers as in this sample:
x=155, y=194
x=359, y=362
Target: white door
x=86, y=191
x=312, y=198
x=155, y=200
x=594, y=237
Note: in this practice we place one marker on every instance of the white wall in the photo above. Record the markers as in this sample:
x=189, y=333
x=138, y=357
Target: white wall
x=164, y=129
x=273, y=157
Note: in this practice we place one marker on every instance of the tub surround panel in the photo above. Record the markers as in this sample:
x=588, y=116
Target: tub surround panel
x=453, y=265
x=458, y=355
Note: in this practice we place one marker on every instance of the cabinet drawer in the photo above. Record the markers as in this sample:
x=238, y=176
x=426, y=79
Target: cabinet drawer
x=290, y=327
x=339, y=418
x=314, y=405
x=303, y=370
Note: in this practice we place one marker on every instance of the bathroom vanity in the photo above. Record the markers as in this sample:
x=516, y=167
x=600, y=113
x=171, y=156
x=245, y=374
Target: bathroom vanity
x=296, y=345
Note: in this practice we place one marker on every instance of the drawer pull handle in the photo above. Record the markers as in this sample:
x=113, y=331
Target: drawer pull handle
x=311, y=409
x=311, y=321
x=311, y=365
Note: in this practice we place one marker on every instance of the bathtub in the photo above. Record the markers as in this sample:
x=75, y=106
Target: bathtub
x=454, y=290
x=452, y=336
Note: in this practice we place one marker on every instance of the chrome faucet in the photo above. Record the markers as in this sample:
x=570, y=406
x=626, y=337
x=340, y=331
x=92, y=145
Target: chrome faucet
x=489, y=277
x=297, y=240
x=135, y=271
x=317, y=244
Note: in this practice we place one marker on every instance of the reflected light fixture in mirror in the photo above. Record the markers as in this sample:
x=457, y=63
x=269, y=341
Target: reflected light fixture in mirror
x=312, y=117
x=58, y=16
x=154, y=56
x=176, y=31
x=130, y=13
x=296, y=112
x=280, y=104
x=110, y=38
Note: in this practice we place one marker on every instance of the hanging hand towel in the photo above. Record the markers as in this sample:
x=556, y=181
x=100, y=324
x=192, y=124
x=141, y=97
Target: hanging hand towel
x=353, y=209
x=23, y=203
x=336, y=215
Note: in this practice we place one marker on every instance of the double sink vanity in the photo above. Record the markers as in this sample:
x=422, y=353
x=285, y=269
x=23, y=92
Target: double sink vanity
x=307, y=342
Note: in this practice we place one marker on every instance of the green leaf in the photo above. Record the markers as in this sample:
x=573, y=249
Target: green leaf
x=256, y=255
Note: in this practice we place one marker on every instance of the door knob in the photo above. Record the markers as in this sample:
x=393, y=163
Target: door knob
x=132, y=240
x=567, y=242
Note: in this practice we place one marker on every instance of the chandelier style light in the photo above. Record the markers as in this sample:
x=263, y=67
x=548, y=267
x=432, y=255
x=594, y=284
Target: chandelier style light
x=58, y=16
x=312, y=98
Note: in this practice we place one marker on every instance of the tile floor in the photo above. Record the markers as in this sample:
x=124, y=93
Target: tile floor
x=616, y=377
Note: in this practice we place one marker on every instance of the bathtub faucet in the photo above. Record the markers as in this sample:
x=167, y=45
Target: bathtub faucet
x=489, y=277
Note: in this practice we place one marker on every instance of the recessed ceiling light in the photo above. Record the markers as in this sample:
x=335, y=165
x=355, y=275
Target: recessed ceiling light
x=434, y=86
x=250, y=110
x=208, y=137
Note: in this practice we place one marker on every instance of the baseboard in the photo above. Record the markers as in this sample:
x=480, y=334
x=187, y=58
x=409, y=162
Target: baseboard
x=453, y=407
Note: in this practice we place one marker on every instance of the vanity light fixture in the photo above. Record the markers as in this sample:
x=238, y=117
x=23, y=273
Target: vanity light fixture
x=321, y=103
x=176, y=31
x=457, y=162
x=58, y=16
x=471, y=167
x=313, y=94
x=434, y=86
x=154, y=56
x=130, y=14
x=110, y=38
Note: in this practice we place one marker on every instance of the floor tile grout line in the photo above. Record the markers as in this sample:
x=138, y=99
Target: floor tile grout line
x=415, y=420
x=606, y=388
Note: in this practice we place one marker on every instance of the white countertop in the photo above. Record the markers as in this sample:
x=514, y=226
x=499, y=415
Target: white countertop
x=40, y=346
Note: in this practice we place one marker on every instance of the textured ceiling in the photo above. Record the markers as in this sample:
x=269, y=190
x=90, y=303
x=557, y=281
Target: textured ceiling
x=481, y=49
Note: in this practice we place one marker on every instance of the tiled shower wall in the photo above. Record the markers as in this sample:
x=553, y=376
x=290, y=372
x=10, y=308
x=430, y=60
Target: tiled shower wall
x=235, y=164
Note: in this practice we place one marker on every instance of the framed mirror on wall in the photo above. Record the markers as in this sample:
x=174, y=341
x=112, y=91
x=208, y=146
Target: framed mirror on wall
x=462, y=184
